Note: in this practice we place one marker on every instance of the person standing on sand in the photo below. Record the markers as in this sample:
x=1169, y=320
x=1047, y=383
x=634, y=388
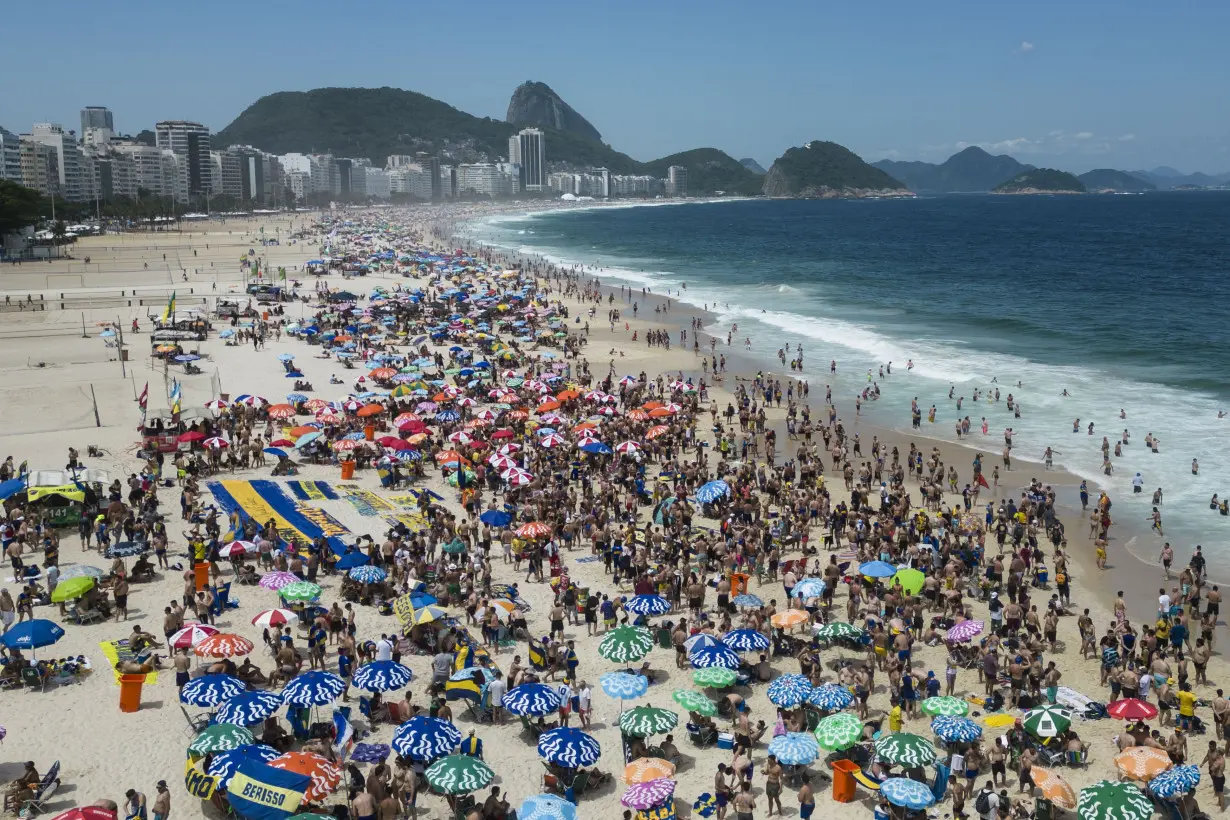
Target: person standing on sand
x=807, y=801
x=162, y=802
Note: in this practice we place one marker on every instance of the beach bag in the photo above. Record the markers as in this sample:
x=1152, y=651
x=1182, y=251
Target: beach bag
x=983, y=802
x=1096, y=711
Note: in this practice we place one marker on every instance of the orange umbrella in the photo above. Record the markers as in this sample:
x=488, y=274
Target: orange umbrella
x=637, y=415
x=295, y=432
x=566, y=395
x=441, y=397
x=652, y=405
x=644, y=769
x=547, y=406
x=1142, y=762
x=325, y=776
x=223, y=645
x=659, y=412
x=417, y=437
x=445, y=456
x=656, y=430
x=370, y=410
x=383, y=373
x=316, y=405
x=791, y=617
x=1054, y=788
x=281, y=411
x=587, y=425
x=518, y=415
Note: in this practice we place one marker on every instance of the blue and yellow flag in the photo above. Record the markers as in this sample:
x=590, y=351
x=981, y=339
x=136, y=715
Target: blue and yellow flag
x=170, y=311
x=261, y=792
x=176, y=396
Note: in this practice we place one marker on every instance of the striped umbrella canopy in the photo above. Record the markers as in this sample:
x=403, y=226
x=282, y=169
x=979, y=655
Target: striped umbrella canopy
x=224, y=765
x=191, y=635
x=211, y=690
x=698, y=641
x=945, y=705
x=694, y=701
x=719, y=654
x=221, y=737
x=299, y=591
x=382, y=676
x=964, y=632
x=425, y=738
x=644, y=769
x=1106, y=800
x=830, y=697
x=788, y=691
x=1142, y=762
x=747, y=601
x=714, y=677
x=458, y=774
x=533, y=699
x=324, y=774
x=905, y=749
x=249, y=708
x=1053, y=787
x=368, y=574
x=910, y=794
x=626, y=643
x=839, y=732
x=274, y=617
x=623, y=685
x=712, y=491
x=808, y=588
x=838, y=631
x=746, y=640
x=651, y=793
x=568, y=747
x=1047, y=721
x=546, y=807
x=794, y=748
x=277, y=580
x=953, y=728
x=223, y=645
x=647, y=605
x=1176, y=781
x=643, y=721
x=313, y=688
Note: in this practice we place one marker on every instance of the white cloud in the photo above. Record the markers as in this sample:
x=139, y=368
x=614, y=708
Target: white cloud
x=1021, y=145
x=1084, y=135
x=1025, y=47
x=1127, y=138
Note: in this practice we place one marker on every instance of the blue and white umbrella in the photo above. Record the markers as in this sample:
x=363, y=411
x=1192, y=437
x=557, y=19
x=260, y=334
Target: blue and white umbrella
x=794, y=748
x=383, y=676
x=1176, y=781
x=746, y=640
x=808, y=588
x=830, y=697
x=547, y=807
x=717, y=655
x=623, y=686
x=368, y=574
x=648, y=605
x=536, y=699
x=81, y=571
x=876, y=569
x=699, y=641
x=788, y=691
x=910, y=794
x=225, y=765
x=314, y=688
x=712, y=491
x=955, y=729
x=425, y=738
x=32, y=634
x=248, y=708
x=567, y=747
x=747, y=601
x=211, y=690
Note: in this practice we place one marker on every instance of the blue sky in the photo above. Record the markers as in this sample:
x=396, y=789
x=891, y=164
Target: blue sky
x=1071, y=85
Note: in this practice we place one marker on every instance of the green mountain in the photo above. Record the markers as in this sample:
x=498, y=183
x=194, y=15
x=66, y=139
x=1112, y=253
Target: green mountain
x=1108, y=179
x=825, y=169
x=968, y=171
x=709, y=171
x=1041, y=180
x=535, y=104
x=753, y=166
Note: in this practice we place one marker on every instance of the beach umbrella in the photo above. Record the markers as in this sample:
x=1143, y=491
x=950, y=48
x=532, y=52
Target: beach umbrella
x=81, y=571
x=712, y=491
x=313, y=688
x=382, y=676
x=367, y=574
x=32, y=634
x=249, y=708
x=458, y=774
x=274, y=617
x=546, y=807
x=623, y=685
x=789, y=618
x=714, y=677
x=626, y=643
x=877, y=569
x=964, y=632
x=746, y=640
x=495, y=518
x=86, y=813
x=836, y=733
x=699, y=641
x=945, y=705
x=643, y=721
x=534, y=529
x=299, y=591
x=277, y=580
x=788, y=691
x=221, y=737
x=274, y=451
x=1053, y=787
x=911, y=580
x=237, y=549
x=794, y=748
x=647, y=605
x=224, y=765
x=838, y=631
x=645, y=769
x=425, y=738
x=1106, y=800
x=427, y=614
x=324, y=774
x=1174, y=782
x=647, y=795
x=1131, y=709
x=905, y=749
x=223, y=645
x=627, y=447
x=694, y=701
x=717, y=655
x=532, y=699
x=907, y=793
x=70, y=588
x=1142, y=762
x=1047, y=721
x=952, y=728
x=211, y=690
x=351, y=560
x=808, y=588
x=568, y=747
x=746, y=601
x=191, y=635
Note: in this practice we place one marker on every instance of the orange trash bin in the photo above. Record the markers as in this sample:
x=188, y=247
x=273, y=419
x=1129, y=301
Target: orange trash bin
x=738, y=583
x=201, y=571
x=369, y=432
x=347, y=470
x=843, y=780
x=130, y=692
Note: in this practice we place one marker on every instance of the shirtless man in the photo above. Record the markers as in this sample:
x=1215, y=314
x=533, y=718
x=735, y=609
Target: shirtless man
x=1216, y=760
x=1221, y=714
x=363, y=806
x=773, y=784
x=745, y=803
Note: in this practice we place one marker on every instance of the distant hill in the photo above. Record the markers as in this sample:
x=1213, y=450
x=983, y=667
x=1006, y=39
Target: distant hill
x=1041, y=181
x=971, y=170
x=752, y=165
x=535, y=104
x=709, y=171
x=826, y=169
x=1107, y=179
x=1167, y=178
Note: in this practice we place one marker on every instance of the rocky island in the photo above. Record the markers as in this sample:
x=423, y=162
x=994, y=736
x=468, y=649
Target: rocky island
x=1041, y=181
x=826, y=170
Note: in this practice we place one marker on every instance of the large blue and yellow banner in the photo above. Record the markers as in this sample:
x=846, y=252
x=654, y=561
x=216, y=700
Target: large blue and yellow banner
x=261, y=792
x=264, y=501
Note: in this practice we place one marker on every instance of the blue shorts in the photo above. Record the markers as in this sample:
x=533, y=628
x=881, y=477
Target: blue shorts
x=805, y=810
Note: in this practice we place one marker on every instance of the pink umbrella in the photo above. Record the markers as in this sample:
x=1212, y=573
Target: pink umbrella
x=964, y=632
x=277, y=580
x=191, y=635
x=642, y=796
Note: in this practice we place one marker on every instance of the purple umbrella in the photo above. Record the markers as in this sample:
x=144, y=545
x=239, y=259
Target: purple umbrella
x=642, y=796
x=277, y=580
x=964, y=631
x=370, y=753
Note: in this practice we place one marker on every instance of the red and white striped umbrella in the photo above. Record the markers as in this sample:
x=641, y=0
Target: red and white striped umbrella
x=673, y=408
x=466, y=401
x=237, y=548
x=485, y=414
x=453, y=391
x=351, y=405
x=552, y=440
x=216, y=443
x=274, y=617
x=223, y=645
x=191, y=635
x=346, y=445
x=315, y=405
x=255, y=401
x=404, y=418
x=510, y=448
x=516, y=477
x=460, y=437
x=329, y=418
x=534, y=529
x=216, y=405
x=501, y=461
x=508, y=374
x=552, y=418
x=282, y=412
x=608, y=410
x=627, y=447
x=595, y=395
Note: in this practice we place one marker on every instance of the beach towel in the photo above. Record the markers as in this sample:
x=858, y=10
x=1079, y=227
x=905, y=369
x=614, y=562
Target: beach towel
x=1069, y=698
x=589, y=559
x=312, y=490
x=116, y=651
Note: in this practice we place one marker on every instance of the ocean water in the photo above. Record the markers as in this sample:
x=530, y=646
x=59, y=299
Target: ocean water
x=1120, y=300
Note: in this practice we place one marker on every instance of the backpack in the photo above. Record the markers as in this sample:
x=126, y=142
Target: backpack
x=982, y=804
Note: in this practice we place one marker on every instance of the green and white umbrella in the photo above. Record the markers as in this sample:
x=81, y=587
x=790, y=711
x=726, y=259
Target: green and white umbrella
x=694, y=701
x=839, y=732
x=626, y=643
x=838, y=630
x=221, y=737
x=1047, y=721
x=905, y=749
x=299, y=591
x=715, y=677
x=644, y=721
x=458, y=774
x=945, y=705
x=1106, y=800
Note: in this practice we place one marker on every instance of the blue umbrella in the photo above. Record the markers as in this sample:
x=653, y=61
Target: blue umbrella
x=274, y=451
x=211, y=690
x=748, y=601
x=425, y=738
x=877, y=569
x=1176, y=781
x=788, y=691
x=830, y=697
x=248, y=708
x=224, y=765
x=794, y=748
x=746, y=640
x=187, y=357
x=808, y=588
x=647, y=605
x=32, y=634
x=383, y=676
x=368, y=574
x=286, y=357
x=370, y=752
x=910, y=794
x=699, y=641
x=12, y=487
x=623, y=685
x=547, y=807
x=353, y=559
x=447, y=415
x=955, y=729
x=567, y=747
x=495, y=518
x=307, y=438
x=712, y=491
x=717, y=655
x=295, y=398
x=535, y=699
x=314, y=688
x=596, y=447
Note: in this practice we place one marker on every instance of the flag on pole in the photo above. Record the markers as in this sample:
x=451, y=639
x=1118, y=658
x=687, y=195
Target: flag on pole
x=282, y=274
x=170, y=311
x=176, y=395
x=143, y=399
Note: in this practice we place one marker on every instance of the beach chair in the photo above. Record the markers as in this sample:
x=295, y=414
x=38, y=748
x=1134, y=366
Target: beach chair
x=702, y=736
x=32, y=679
x=84, y=616
x=864, y=779
x=664, y=639
x=42, y=796
x=579, y=784
x=532, y=730
x=195, y=724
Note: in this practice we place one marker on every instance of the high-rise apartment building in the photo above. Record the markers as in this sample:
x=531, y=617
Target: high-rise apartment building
x=528, y=149
x=97, y=116
x=10, y=156
x=677, y=180
x=40, y=168
x=76, y=184
x=190, y=143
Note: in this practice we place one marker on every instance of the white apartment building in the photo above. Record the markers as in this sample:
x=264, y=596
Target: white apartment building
x=677, y=180
x=412, y=179
x=40, y=168
x=10, y=156
x=486, y=179
x=76, y=185
x=377, y=183
x=299, y=183
x=155, y=170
